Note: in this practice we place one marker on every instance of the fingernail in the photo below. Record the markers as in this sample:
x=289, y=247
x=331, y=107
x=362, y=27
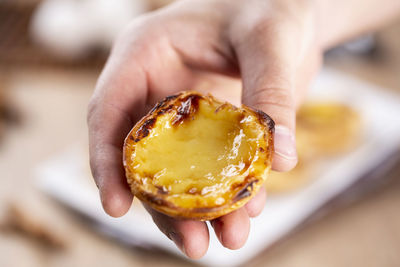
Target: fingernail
x=285, y=143
x=178, y=241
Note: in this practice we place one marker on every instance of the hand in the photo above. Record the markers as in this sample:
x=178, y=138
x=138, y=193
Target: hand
x=270, y=44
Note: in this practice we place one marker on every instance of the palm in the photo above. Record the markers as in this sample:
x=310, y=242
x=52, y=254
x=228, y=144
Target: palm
x=170, y=67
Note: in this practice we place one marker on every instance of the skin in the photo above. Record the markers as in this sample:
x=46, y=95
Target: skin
x=273, y=47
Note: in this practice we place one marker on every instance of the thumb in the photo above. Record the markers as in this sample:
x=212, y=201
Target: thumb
x=267, y=61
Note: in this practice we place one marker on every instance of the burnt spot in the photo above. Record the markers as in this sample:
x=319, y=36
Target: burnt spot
x=188, y=106
x=171, y=97
x=144, y=130
x=261, y=149
x=131, y=137
x=242, y=184
x=157, y=106
x=245, y=191
x=266, y=120
x=162, y=104
x=162, y=111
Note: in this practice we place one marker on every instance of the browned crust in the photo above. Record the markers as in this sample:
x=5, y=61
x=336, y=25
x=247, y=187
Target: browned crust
x=248, y=188
x=185, y=105
x=263, y=118
x=144, y=130
x=186, y=109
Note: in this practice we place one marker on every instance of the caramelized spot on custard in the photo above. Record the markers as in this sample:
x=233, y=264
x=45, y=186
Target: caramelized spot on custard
x=164, y=102
x=144, y=130
x=187, y=108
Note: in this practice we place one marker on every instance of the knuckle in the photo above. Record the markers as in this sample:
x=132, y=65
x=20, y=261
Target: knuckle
x=273, y=96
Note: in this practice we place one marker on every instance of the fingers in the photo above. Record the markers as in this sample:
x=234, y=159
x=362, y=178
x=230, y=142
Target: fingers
x=255, y=206
x=232, y=229
x=106, y=159
x=119, y=98
x=191, y=237
x=268, y=59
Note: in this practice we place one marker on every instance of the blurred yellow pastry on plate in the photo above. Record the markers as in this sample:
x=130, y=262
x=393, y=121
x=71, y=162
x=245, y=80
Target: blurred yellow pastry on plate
x=323, y=129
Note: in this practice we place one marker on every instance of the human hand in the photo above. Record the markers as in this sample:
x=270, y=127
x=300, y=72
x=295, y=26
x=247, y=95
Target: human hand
x=270, y=44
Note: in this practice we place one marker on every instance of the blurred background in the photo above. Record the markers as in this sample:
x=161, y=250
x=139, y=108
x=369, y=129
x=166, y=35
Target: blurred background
x=46, y=80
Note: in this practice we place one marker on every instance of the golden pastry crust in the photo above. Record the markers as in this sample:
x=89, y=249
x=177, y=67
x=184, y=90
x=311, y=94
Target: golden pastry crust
x=195, y=157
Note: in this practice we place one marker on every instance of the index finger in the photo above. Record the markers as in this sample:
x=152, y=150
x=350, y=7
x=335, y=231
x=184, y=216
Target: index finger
x=117, y=102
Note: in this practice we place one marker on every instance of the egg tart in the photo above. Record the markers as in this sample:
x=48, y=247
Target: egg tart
x=195, y=157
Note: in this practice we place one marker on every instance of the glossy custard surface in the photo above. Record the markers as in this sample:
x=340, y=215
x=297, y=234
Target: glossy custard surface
x=204, y=155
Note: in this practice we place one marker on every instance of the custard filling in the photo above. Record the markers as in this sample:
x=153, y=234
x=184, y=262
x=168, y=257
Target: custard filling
x=203, y=155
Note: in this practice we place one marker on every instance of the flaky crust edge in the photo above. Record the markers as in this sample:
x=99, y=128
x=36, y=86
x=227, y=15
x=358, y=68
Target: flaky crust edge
x=159, y=201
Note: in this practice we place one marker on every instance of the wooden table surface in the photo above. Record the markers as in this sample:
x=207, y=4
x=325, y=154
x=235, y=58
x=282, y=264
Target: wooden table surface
x=53, y=104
